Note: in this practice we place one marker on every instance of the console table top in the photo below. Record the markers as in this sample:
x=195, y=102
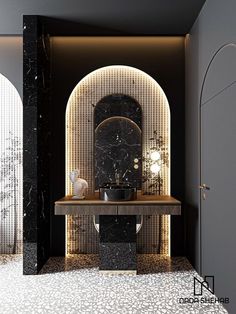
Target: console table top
x=141, y=200
x=143, y=205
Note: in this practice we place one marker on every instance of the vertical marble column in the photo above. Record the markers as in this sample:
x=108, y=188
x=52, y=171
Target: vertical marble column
x=36, y=137
x=117, y=243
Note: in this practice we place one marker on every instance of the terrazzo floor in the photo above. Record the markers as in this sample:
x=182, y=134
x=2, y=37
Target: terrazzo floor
x=74, y=285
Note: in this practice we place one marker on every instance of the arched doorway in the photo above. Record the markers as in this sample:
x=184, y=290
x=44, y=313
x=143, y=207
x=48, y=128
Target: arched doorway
x=11, y=129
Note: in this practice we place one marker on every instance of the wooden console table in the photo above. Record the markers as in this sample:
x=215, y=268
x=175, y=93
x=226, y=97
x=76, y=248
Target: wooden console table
x=117, y=220
x=143, y=205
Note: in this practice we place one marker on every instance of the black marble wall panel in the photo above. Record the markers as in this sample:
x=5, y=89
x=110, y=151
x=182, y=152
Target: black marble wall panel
x=118, y=140
x=117, y=247
x=36, y=150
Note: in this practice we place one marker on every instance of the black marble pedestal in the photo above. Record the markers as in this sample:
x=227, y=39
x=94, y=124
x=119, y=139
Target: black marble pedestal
x=117, y=243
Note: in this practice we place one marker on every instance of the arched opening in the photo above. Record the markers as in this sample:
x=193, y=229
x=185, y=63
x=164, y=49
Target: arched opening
x=11, y=130
x=88, y=92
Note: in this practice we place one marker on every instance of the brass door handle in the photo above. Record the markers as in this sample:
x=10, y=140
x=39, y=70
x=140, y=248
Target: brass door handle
x=204, y=187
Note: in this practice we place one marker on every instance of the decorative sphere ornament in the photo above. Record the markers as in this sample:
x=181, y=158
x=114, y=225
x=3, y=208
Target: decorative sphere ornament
x=155, y=168
x=155, y=155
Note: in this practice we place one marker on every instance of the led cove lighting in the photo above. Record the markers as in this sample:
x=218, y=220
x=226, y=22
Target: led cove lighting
x=88, y=92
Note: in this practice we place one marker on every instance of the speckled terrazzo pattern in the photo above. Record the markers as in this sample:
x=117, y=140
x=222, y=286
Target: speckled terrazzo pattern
x=74, y=285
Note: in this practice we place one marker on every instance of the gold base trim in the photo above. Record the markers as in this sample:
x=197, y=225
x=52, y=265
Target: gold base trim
x=118, y=272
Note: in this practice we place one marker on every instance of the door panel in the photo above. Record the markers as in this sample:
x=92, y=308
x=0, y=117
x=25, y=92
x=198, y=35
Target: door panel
x=218, y=171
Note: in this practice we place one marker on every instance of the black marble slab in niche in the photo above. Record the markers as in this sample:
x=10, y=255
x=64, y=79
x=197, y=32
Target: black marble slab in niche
x=118, y=105
x=117, y=247
x=118, y=140
x=118, y=149
x=36, y=148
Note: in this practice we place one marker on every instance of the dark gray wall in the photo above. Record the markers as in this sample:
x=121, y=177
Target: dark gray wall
x=143, y=17
x=158, y=17
x=214, y=27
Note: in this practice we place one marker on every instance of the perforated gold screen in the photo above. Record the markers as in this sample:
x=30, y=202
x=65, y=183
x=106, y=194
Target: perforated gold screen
x=79, y=132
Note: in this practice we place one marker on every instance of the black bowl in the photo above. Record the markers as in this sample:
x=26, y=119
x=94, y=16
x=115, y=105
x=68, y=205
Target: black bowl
x=117, y=192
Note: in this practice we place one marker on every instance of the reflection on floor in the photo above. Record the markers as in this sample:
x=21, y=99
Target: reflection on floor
x=74, y=285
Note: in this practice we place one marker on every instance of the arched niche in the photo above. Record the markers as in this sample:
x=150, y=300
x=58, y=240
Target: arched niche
x=118, y=140
x=118, y=105
x=11, y=130
x=115, y=79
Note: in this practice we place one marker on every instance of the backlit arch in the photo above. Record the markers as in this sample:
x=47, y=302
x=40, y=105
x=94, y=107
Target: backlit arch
x=115, y=79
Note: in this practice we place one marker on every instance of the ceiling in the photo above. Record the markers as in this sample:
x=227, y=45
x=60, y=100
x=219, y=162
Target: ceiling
x=159, y=17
